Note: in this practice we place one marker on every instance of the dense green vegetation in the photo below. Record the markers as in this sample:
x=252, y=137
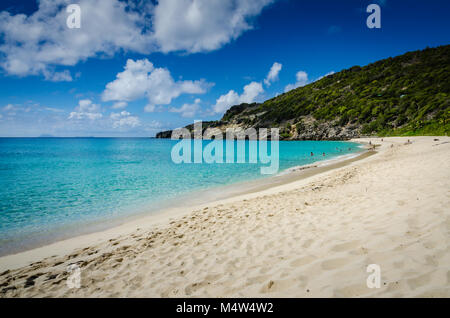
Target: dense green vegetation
x=405, y=95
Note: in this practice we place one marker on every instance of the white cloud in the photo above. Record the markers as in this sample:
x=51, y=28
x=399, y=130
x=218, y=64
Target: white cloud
x=130, y=84
x=130, y=121
x=141, y=79
x=9, y=107
x=35, y=44
x=116, y=116
x=63, y=76
x=272, y=76
x=154, y=124
x=187, y=110
x=27, y=107
x=119, y=105
x=251, y=92
x=202, y=25
x=149, y=108
x=124, y=119
x=226, y=101
x=302, y=80
x=86, y=109
x=41, y=43
x=55, y=110
x=11, y=110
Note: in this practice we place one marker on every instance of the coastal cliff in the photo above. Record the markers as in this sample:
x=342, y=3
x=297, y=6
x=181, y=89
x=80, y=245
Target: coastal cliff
x=405, y=95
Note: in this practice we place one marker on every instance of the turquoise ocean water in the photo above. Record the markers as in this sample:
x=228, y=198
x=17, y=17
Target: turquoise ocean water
x=50, y=187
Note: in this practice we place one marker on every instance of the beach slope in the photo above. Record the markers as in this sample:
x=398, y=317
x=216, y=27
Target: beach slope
x=313, y=237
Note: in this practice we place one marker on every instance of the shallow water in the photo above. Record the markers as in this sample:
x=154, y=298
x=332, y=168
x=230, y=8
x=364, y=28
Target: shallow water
x=52, y=186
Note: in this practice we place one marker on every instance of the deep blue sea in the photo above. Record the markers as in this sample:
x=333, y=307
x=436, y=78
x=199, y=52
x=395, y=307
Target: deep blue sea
x=50, y=187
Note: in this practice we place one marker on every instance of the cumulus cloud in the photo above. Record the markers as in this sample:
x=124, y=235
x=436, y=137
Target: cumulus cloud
x=251, y=92
x=154, y=124
x=124, y=119
x=52, y=76
x=302, y=80
x=149, y=108
x=86, y=109
x=187, y=110
x=119, y=105
x=202, y=25
x=41, y=43
x=34, y=44
x=272, y=76
x=116, y=116
x=141, y=79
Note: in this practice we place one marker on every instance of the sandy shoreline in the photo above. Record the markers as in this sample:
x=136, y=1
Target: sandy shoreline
x=185, y=203
x=310, y=237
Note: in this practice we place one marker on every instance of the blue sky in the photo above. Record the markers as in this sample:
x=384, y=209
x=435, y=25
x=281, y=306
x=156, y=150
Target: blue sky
x=135, y=68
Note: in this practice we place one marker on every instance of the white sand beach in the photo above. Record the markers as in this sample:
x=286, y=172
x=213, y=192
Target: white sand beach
x=312, y=237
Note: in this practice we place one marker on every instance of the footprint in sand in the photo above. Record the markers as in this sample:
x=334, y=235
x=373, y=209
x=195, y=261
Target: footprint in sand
x=345, y=246
x=192, y=288
x=276, y=286
x=307, y=243
x=302, y=261
x=334, y=263
x=257, y=279
x=419, y=281
x=356, y=290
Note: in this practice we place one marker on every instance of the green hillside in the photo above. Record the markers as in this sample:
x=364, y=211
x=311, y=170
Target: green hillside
x=404, y=95
x=409, y=93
